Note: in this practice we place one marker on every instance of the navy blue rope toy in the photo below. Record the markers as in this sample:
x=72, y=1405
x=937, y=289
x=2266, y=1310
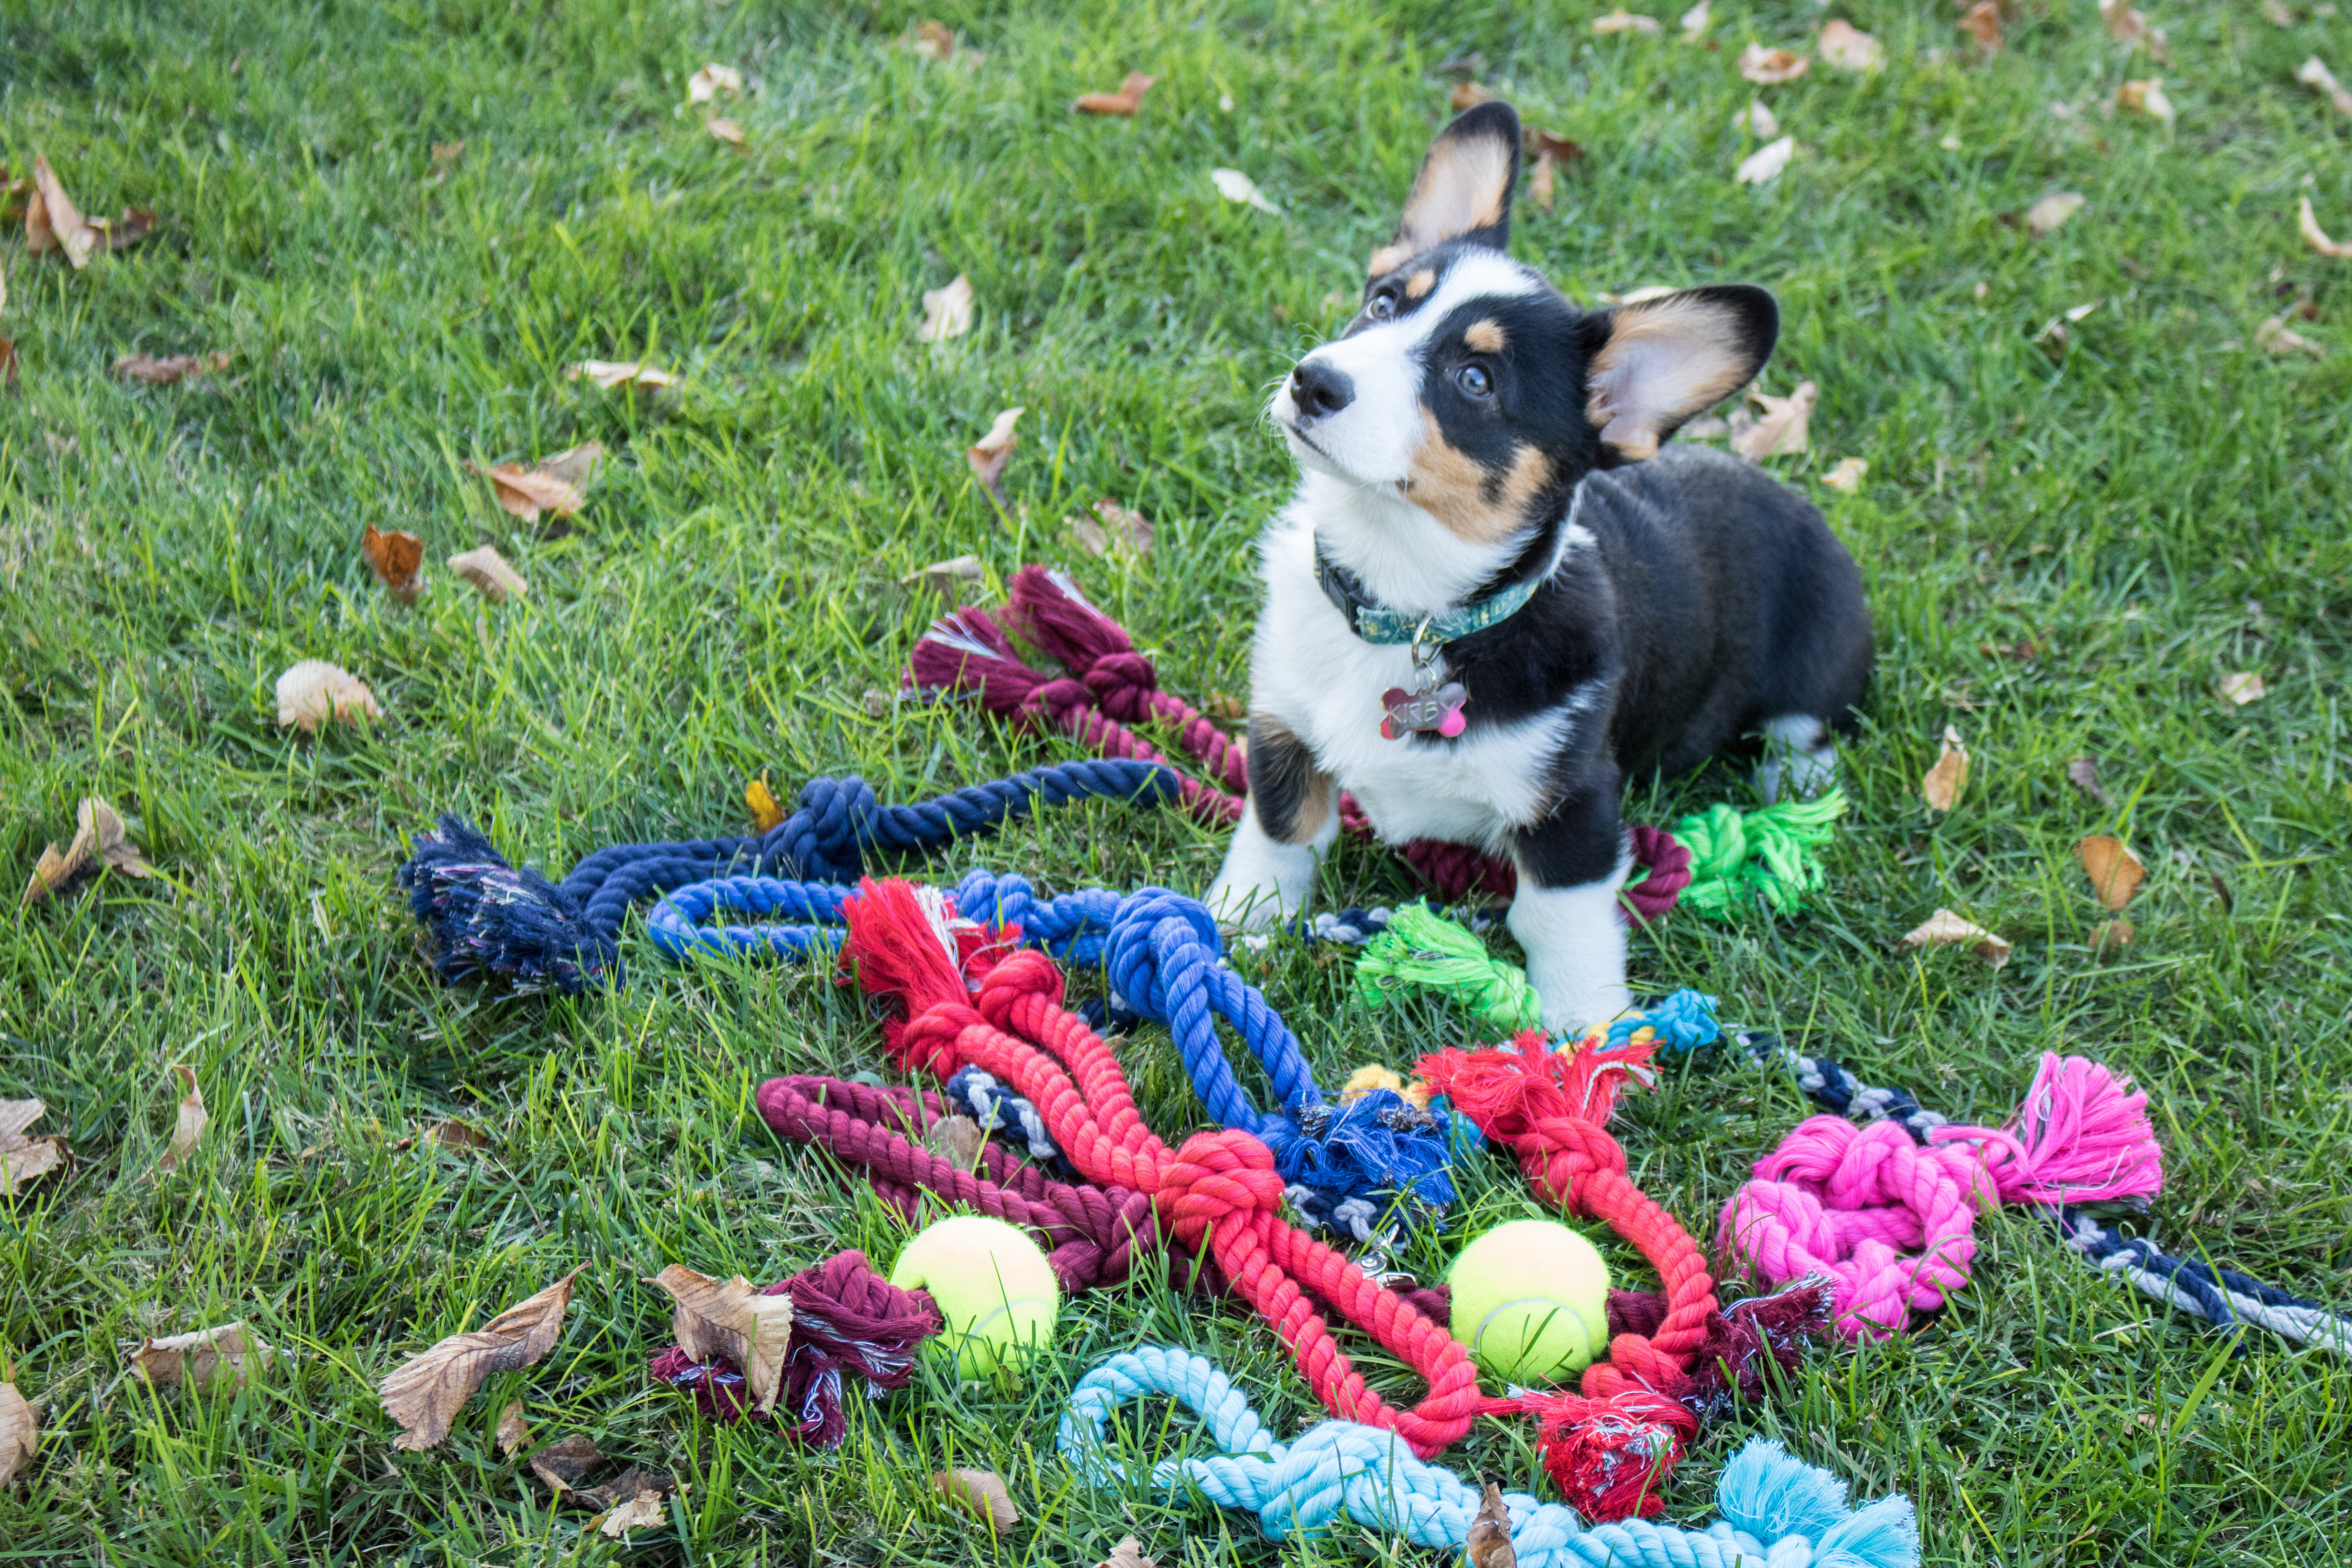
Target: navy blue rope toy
x=486, y=919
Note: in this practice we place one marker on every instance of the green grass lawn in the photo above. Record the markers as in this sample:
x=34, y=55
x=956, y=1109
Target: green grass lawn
x=2146, y=505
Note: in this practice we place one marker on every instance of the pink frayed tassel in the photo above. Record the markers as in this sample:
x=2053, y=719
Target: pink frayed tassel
x=2082, y=1135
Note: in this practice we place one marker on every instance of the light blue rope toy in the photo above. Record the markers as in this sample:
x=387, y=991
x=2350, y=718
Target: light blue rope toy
x=1777, y=1511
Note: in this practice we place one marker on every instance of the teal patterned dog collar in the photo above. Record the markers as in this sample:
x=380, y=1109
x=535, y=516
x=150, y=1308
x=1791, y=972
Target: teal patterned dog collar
x=1375, y=623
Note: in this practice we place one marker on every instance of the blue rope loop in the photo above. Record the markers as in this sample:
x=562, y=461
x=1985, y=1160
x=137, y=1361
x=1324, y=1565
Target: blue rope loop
x=486, y=919
x=1345, y=1164
x=1776, y=1511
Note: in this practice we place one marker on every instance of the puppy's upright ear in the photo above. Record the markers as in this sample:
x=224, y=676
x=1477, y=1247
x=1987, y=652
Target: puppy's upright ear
x=1464, y=189
x=1666, y=360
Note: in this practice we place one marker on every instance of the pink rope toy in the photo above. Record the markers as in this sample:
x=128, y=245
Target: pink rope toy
x=1890, y=1221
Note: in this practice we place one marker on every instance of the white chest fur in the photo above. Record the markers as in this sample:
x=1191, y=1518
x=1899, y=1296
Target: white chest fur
x=1322, y=683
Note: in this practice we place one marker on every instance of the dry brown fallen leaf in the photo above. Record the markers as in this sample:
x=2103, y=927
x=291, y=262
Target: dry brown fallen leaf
x=931, y=39
x=567, y=1462
x=2275, y=336
x=1764, y=66
x=2242, y=687
x=1694, y=21
x=1846, y=476
x=1981, y=22
x=988, y=455
x=612, y=375
x=2110, y=935
x=513, y=1431
x=1756, y=117
x=424, y=1393
x=557, y=485
x=1128, y=1553
x=163, y=372
x=982, y=1491
x=8, y=361
x=724, y=129
x=731, y=1319
x=1236, y=186
x=1125, y=101
x=488, y=571
x=2145, y=97
x=1944, y=929
x=23, y=1158
x=20, y=1432
x=2128, y=25
x=1627, y=22
x=457, y=1137
x=1488, y=1544
x=1468, y=95
x=1781, y=429
x=2115, y=872
x=1542, y=184
x=2314, y=74
x=120, y=234
x=1942, y=784
x=643, y=1512
x=202, y=1359
x=100, y=838
x=765, y=814
x=395, y=558
x=947, y=312
x=941, y=576
x=1552, y=152
x=52, y=222
x=1849, y=49
x=711, y=80
x=1124, y=525
x=1763, y=166
x=2316, y=237
x=446, y=154
x=188, y=1124
x=957, y=1140
x=2082, y=773
x=2051, y=210
x=314, y=693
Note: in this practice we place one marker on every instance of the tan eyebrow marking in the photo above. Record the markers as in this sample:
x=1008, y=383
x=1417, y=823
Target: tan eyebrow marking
x=1485, y=337
x=1421, y=283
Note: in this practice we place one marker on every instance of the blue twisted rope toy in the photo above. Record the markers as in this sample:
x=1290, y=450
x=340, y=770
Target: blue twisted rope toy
x=1776, y=1511
x=487, y=919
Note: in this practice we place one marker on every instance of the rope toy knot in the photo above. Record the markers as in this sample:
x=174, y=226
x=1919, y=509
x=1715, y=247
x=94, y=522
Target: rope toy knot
x=1213, y=1177
x=826, y=838
x=1054, y=697
x=1559, y=1154
x=1610, y=1457
x=1153, y=927
x=1020, y=975
x=1123, y=684
x=927, y=1042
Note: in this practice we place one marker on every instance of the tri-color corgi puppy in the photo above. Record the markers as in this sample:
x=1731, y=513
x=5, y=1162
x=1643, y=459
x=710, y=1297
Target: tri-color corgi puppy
x=1493, y=595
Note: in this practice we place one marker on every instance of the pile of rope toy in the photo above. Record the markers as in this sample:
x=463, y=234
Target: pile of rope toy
x=1776, y=1512
x=1886, y=1211
x=1717, y=862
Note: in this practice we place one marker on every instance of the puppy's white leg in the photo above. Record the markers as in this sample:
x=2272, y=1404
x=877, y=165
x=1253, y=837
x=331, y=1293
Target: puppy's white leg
x=1798, y=753
x=1265, y=879
x=1576, y=949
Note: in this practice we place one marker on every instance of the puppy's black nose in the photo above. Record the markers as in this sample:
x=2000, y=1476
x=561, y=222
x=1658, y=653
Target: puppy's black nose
x=1318, y=390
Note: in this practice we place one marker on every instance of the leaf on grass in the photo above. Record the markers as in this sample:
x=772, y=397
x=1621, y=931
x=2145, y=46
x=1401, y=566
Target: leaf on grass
x=202, y=1359
x=1124, y=525
x=2314, y=74
x=988, y=455
x=1757, y=119
x=1846, y=476
x=1763, y=166
x=1764, y=66
x=611, y=374
x=100, y=838
x=941, y=576
x=1468, y=95
x=1941, y=786
x=567, y=1463
x=23, y=1158
x=163, y=372
x=643, y=1512
x=2082, y=773
x=947, y=312
x=2274, y=336
x=457, y=1137
x=1694, y=21
x=188, y=1124
x=2242, y=687
x=1982, y=22
x=2316, y=237
x=1849, y=49
x=2046, y=215
x=8, y=358
x=556, y=486
x=1236, y=186
x=2110, y=935
x=1944, y=929
x=1488, y=1544
x=446, y=154
x=1128, y=1553
x=933, y=40
x=395, y=558
x=1542, y=184
x=52, y=222
x=513, y=1433
x=983, y=1492
x=1626, y=22
x=425, y=1393
x=315, y=692
x=724, y=129
x=1781, y=429
x=488, y=571
x=957, y=1140
x=1552, y=152
x=730, y=1319
x=2115, y=872
x=1125, y=101
x=20, y=1432
x=2145, y=97
x=711, y=80
x=120, y=234
x=765, y=814
x=2125, y=23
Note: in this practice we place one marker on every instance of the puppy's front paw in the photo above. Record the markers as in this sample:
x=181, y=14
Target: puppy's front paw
x=1576, y=952
x=1263, y=881
x=1574, y=1001
x=1240, y=904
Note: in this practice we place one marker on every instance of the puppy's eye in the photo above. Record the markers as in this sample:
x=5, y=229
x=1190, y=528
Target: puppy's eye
x=1474, y=381
x=1380, y=306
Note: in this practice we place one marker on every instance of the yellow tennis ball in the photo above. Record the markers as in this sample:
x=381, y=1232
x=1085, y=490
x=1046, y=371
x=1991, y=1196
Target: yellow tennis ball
x=992, y=1285
x=1530, y=1301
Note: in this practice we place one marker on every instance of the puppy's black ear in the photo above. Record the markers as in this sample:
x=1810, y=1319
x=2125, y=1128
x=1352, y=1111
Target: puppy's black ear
x=1666, y=360
x=1464, y=189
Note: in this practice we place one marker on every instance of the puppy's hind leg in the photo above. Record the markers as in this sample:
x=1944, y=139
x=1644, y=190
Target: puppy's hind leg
x=1289, y=822
x=1798, y=753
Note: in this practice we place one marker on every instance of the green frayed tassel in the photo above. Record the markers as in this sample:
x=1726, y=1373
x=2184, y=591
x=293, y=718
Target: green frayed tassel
x=1737, y=857
x=1421, y=948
